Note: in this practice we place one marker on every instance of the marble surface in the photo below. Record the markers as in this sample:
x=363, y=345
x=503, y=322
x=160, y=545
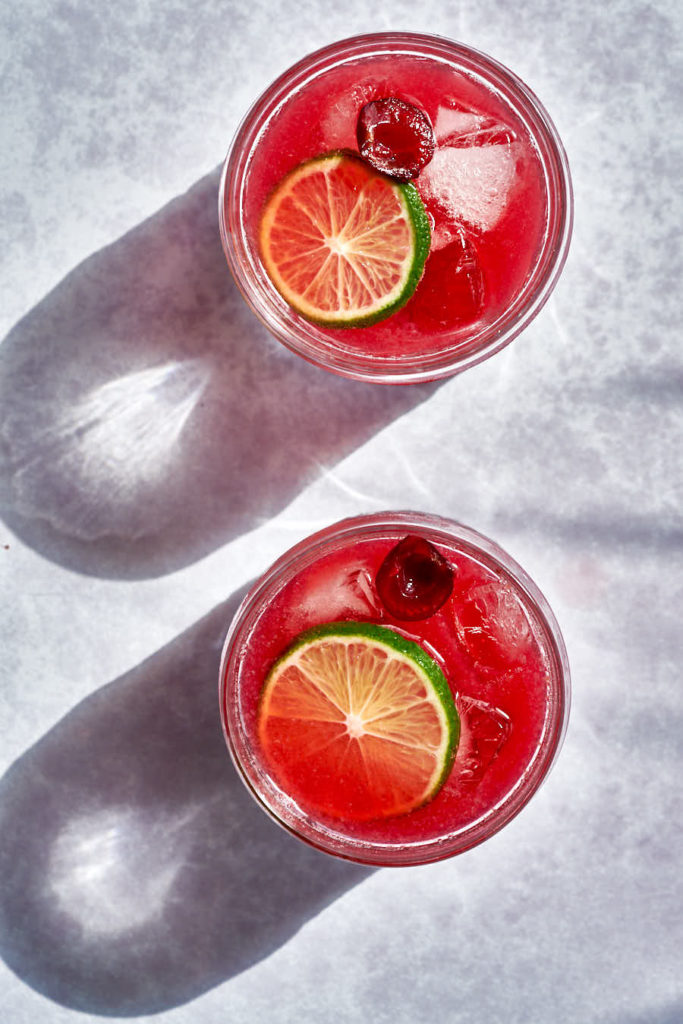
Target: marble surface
x=158, y=450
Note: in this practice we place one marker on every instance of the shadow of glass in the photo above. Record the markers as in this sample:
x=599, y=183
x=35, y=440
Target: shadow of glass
x=146, y=417
x=137, y=872
x=670, y=1014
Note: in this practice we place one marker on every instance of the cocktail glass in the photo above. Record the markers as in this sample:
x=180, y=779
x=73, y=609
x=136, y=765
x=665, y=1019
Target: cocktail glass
x=497, y=192
x=495, y=638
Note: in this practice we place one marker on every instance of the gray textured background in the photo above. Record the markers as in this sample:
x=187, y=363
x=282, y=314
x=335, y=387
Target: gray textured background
x=157, y=450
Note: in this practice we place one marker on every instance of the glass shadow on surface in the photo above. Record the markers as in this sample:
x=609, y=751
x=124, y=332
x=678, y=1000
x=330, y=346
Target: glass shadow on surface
x=146, y=416
x=137, y=872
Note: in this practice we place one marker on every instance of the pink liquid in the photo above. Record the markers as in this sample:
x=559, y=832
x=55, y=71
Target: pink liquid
x=491, y=643
x=484, y=192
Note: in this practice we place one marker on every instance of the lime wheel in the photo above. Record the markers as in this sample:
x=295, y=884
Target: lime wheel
x=344, y=245
x=357, y=722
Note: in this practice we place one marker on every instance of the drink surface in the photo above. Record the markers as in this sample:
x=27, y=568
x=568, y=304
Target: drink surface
x=491, y=644
x=484, y=192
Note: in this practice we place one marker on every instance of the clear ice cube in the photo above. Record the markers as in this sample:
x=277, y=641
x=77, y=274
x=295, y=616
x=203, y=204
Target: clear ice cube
x=338, y=123
x=470, y=183
x=452, y=121
x=452, y=291
x=326, y=598
x=473, y=169
x=487, y=133
x=443, y=234
x=485, y=729
x=457, y=126
x=493, y=627
x=360, y=587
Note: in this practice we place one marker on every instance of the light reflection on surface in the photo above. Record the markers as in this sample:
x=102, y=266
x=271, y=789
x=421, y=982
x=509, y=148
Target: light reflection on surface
x=113, y=442
x=112, y=871
x=134, y=421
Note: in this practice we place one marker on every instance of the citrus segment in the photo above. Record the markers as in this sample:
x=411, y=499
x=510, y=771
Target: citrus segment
x=344, y=245
x=357, y=722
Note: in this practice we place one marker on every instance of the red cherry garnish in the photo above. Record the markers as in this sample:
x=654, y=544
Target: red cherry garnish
x=414, y=580
x=395, y=137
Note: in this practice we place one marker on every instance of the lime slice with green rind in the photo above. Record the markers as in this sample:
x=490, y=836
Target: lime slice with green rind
x=357, y=721
x=344, y=245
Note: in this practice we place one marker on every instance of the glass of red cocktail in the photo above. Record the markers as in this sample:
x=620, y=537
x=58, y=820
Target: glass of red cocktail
x=394, y=689
x=396, y=207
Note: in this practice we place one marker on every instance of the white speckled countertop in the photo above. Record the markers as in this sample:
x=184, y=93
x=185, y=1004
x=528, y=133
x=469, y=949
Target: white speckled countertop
x=158, y=450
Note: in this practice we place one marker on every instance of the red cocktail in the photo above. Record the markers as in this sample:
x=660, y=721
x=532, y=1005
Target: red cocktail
x=494, y=194
x=394, y=689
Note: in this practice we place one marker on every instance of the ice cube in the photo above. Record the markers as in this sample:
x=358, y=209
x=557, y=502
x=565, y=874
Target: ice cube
x=485, y=729
x=360, y=587
x=443, y=234
x=456, y=125
x=487, y=133
x=327, y=598
x=470, y=183
x=453, y=122
x=338, y=124
x=452, y=291
x=492, y=625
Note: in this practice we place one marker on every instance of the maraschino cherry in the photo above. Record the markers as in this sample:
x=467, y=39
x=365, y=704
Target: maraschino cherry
x=414, y=579
x=395, y=137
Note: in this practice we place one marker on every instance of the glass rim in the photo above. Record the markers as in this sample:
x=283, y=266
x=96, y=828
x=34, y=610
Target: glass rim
x=446, y=361
x=279, y=806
